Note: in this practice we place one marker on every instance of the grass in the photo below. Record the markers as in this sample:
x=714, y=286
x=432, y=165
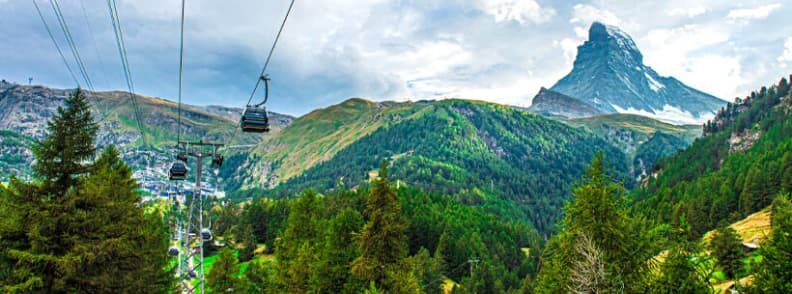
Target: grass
x=316, y=137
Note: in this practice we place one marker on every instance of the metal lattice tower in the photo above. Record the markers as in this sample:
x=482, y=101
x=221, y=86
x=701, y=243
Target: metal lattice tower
x=190, y=230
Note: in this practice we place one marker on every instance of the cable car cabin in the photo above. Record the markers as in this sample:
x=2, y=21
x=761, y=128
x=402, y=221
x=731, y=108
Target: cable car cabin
x=206, y=234
x=173, y=251
x=255, y=120
x=217, y=161
x=178, y=171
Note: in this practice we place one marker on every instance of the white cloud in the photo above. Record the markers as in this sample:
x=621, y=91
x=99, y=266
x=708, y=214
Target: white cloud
x=690, y=12
x=786, y=56
x=586, y=14
x=684, y=52
x=516, y=10
x=743, y=15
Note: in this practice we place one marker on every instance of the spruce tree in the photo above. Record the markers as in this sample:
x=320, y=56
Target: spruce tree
x=68, y=144
x=79, y=226
x=726, y=247
x=295, y=253
x=383, y=242
x=774, y=273
x=677, y=274
x=248, y=241
x=223, y=276
x=598, y=212
x=330, y=274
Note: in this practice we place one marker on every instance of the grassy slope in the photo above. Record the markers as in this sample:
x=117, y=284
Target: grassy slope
x=319, y=135
x=483, y=153
x=156, y=113
x=640, y=124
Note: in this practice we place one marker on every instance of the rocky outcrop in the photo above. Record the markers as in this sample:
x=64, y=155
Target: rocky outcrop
x=554, y=104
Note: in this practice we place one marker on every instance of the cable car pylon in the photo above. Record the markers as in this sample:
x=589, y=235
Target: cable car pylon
x=191, y=231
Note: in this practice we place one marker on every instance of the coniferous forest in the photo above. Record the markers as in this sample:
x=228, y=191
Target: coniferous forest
x=79, y=225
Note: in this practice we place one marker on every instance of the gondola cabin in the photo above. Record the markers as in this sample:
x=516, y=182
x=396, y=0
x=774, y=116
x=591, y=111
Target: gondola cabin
x=217, y=161
x=178, y=171
x=255, y=120
x=173, y=251
x=206, y=234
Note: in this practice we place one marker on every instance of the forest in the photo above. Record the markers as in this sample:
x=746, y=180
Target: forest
x=78, y=225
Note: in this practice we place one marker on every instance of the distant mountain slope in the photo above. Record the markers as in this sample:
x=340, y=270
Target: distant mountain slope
x=317, y=137
x=609, y=74
x=485, y=154
x=740, y=164
x=643, y=139
x=553, y=104
x=24, y=111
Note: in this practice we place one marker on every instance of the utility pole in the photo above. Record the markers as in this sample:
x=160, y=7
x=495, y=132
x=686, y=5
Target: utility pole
x=473, y=262
x=194, y=223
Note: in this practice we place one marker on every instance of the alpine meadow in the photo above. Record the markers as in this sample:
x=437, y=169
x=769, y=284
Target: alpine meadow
x=472, y=146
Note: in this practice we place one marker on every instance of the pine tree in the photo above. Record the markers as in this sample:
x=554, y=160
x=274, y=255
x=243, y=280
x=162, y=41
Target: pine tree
x=248, y=241
x=726, y=247
x=622, y=244
x=80, y=227
x=68, y=144
x=383, y=242
x=677, y=274
x=330, y=274
x=774, y=273
x=296, y=251
x=223, y=276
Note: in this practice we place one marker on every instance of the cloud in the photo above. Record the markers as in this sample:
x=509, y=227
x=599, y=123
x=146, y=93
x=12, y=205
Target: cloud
x=786, y=56
x=520, y=11
x=744, y=15
x=497, y=50
x=690, y=12
x=586, y=14
x=685, y=53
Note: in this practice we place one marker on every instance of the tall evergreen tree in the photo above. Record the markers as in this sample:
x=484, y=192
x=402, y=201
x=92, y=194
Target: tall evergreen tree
x=223, y=276
x=774, y=273
x=330, y=274
x=383, y=242
x=676, y=273
x=79, y=227
x=623, y=246
x=68, y=144
x=726, y=247
x=248, y=240
x=296, y=251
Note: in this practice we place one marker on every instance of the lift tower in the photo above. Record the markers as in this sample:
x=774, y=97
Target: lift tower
x=192, y=232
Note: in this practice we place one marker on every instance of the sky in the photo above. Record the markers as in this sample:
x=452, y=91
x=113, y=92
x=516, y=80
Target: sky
x=331, y=50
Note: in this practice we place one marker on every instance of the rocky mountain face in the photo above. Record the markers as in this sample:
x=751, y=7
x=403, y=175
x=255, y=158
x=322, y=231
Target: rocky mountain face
x=609, y=74
x=24, y=111
x=554, y=104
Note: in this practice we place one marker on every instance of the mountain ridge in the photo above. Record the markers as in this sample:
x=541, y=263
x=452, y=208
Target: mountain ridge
x=609, y=74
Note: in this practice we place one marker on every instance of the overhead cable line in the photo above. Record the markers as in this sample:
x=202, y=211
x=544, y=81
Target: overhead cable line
x=269, y=56
x=119, y=37
x=181, y=67
x=264, y=68
x=60, y=52
x=93, y=38
x=72, y=45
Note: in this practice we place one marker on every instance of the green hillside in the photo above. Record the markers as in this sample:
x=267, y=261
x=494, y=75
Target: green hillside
x=644, y=140
x=319, y=135
x=743, y=161
x=14, y=155
x=508, y=161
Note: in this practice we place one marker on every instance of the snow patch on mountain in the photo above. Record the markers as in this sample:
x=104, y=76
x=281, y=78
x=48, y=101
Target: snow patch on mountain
x=669, y=114
x=653, y=84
